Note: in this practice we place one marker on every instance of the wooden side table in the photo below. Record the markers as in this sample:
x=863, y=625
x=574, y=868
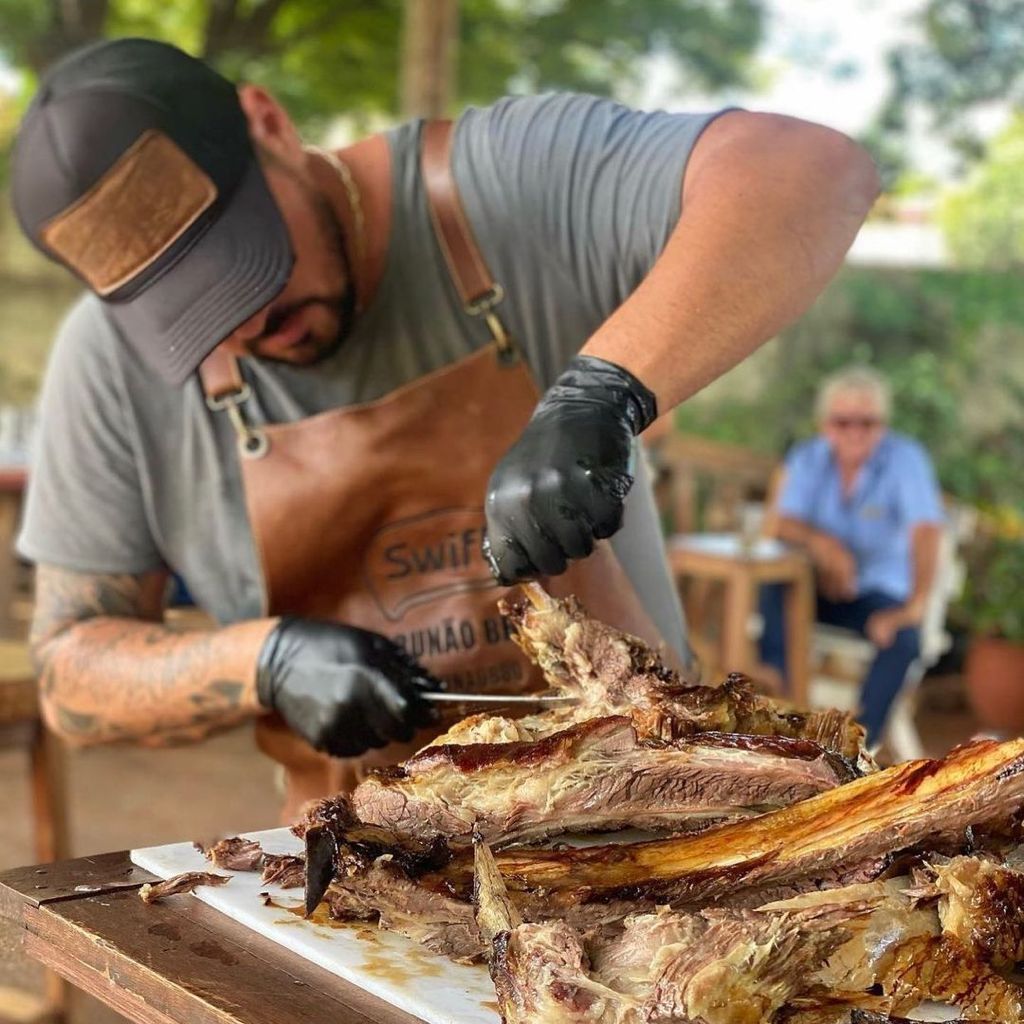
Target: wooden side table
x=723, y=558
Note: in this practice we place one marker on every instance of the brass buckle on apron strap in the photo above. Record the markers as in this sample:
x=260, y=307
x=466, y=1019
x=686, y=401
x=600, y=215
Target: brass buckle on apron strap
x=252, y=442
x=484, y=306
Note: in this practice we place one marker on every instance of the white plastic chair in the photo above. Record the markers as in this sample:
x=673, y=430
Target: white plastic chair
x=846, y=646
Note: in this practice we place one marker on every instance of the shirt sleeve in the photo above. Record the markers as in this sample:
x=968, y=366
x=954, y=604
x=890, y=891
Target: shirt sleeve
x=84, y=509
x=796, y=498
x=598, y=185
x=918, y=494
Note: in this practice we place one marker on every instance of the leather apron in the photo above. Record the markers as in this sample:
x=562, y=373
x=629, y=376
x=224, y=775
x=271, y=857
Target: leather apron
x=372, y=514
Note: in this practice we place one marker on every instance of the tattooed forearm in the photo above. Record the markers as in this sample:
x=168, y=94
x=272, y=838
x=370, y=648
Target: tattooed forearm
x=64, y=598
x=110, y=670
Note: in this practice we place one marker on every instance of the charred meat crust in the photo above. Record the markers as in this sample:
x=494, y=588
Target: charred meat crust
x=366, y=842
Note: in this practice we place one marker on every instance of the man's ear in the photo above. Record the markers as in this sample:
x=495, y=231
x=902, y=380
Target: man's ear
x=270, y=127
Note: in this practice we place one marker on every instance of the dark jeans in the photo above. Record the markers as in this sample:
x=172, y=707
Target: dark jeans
x=888, y=670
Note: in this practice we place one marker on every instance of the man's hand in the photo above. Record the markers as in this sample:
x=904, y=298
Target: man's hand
x=343, y=689
x=882, y=626
x=837, y=568
x=563, y=484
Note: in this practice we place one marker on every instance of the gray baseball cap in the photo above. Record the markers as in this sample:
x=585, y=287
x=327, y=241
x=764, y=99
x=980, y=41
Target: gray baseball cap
x=134, y=168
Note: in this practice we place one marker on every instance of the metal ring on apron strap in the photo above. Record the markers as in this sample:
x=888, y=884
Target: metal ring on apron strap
x=252, y=442
x=484, y=306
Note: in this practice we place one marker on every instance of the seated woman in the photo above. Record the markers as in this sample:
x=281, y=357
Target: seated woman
x=863, y=501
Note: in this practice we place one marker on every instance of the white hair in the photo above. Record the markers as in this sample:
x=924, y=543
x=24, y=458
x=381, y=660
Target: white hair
x=859, y=379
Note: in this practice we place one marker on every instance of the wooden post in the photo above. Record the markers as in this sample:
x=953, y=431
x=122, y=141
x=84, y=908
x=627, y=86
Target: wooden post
x=430, y=34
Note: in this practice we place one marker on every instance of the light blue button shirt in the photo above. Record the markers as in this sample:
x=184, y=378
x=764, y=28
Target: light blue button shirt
x=895, y=490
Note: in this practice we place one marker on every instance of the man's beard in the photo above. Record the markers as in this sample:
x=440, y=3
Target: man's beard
x=343, y=306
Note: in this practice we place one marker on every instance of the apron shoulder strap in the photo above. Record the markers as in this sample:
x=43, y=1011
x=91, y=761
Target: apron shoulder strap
x=220, y=374
x=477, y=289
x=465, y=264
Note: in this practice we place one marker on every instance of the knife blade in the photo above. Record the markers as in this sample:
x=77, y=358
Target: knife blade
x=448, y=697
x=444, y=697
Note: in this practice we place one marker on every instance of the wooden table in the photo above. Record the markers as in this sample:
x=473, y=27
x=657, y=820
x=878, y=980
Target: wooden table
x=12, y=488
x=723, y=558
x=176, y=961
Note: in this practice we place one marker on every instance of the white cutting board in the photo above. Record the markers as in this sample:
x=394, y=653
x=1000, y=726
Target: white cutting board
x=390, y=966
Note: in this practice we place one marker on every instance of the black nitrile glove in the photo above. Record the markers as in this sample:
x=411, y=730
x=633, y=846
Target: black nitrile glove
x=341, y=688
x=563, y=483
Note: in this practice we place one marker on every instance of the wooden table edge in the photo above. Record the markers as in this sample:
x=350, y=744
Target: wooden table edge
x=96, y=964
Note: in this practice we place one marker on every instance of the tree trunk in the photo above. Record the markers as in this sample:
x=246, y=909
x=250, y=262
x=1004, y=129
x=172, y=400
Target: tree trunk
x=70, y=24
x=430, y=34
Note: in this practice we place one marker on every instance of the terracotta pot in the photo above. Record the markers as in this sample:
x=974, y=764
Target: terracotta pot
x=995, y=683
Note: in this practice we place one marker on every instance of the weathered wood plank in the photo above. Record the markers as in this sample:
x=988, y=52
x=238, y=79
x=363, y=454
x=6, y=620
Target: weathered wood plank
x=40, y=884
x=181, y=961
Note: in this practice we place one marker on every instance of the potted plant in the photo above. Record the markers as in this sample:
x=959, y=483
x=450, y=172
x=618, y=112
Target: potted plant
x=994, y=605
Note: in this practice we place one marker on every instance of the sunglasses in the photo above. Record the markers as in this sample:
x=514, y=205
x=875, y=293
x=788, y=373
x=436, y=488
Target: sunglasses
x=858, y=422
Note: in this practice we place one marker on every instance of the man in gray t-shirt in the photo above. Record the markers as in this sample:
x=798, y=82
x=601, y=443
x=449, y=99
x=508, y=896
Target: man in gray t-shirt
x=640, y=256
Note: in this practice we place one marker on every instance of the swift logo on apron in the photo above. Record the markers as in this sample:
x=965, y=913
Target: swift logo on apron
x=371, y=515
x=425, y=557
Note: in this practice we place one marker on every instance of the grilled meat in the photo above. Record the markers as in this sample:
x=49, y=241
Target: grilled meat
x=187, y=881
x=594, y=776
x=833, y=949
x=846, y=835
x=717, y=967
x=982, y=905
x=909, y=952
x=869, y=1017
x=793, y=915
x=925, y=802
x=613, y=673
x=284, y=869
x=236, y=854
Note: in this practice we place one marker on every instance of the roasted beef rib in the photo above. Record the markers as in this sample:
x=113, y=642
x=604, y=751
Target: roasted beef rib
x=594, y=776
x=851, y=833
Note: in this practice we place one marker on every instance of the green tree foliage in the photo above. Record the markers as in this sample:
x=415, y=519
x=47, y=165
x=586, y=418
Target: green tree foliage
x=325, y=57
x=984, y=219
x=947, y=341
x=993, y=599
x=970, y=54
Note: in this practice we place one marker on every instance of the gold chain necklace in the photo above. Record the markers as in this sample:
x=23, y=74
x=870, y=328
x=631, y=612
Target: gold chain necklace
x=355, y=203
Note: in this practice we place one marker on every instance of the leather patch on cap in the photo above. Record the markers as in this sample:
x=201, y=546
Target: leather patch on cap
x=132, y=215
